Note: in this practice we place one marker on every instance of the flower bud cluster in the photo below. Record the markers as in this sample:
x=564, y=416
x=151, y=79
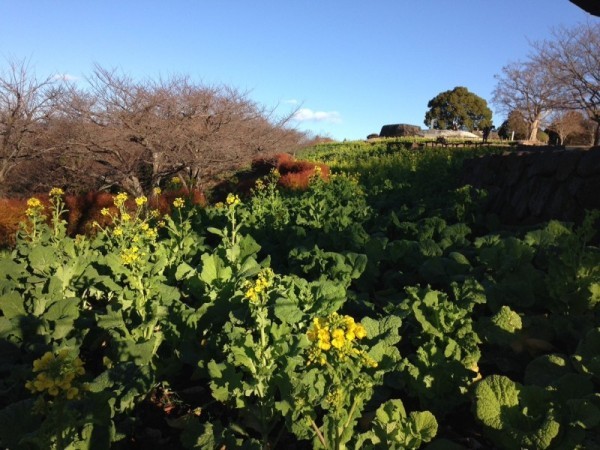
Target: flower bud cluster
x=57, y=375
x=255, y=290
x=232, y=200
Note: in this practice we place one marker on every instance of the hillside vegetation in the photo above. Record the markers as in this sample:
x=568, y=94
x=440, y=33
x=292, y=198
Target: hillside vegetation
x=375, y=309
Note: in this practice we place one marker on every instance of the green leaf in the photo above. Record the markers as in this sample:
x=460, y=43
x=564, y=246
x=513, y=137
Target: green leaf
x=587, y=358
x=11, y=270
x=424, y=425
x=516, y=416
x=545, y=370
x=184, y=270
x=286, y=309
x=492, y=395
x=11, y=305
x=214, y=268
x=41, y=258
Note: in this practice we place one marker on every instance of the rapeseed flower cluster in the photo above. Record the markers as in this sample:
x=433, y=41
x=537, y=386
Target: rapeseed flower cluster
x=34, y=207
x=178, y=203
x=120, y=199
x=255, y=290
x=131, y=255
x=337, y=337
x=259, y=185
x=57, y=374
x=56, y=192
x=132, y=232
x=232, y=200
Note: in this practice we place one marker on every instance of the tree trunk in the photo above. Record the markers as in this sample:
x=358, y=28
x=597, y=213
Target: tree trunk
x=533, y=129
x=4, y=169
x=597, y=134
x=133, y=186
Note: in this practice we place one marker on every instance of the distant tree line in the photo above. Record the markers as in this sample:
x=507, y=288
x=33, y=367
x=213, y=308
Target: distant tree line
x=558, y=85
x=112, y=131
x=556, y=88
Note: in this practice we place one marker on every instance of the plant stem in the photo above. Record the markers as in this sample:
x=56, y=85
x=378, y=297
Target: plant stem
x=319, y=434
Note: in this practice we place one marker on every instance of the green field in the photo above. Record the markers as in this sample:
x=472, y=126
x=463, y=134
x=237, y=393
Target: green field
x=381, y=309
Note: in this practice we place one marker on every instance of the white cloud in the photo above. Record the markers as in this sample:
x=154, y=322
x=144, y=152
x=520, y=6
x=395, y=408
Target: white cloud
x=65, y=77
x=291, y=101
x=308, y=115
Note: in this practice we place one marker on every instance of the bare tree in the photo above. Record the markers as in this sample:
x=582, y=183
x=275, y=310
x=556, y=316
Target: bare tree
x=526, y=87
x=137, y=133
x=27, y=104
x=572, y=61
x=566, y=123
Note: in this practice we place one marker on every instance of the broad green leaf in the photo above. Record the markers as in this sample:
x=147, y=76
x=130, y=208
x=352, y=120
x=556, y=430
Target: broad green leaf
x=184, y=270
x=213, y=268
x=424, y=425
x=286, y=309
x=42, y=258
x=545, y=370
x=492, y=395
x=11, y=305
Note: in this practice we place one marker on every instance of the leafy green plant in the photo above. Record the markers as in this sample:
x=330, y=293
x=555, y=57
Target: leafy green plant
x=394, y=429
x=330, y=390
x=517, y=416
x=446, y=348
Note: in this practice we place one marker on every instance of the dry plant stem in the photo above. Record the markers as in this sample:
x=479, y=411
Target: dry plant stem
x=319, y=434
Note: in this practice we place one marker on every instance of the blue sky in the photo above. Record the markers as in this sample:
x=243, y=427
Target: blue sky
x=350, y=66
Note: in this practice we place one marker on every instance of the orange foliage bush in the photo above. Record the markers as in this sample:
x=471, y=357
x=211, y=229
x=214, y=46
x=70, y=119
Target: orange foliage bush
x=83, y=210
x=297, y=174
x=294, y=174
x=13, y=212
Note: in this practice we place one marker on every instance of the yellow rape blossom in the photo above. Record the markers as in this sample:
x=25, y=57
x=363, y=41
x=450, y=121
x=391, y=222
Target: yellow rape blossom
x=254, y=290
x=56, y=192
x=157, y=191
x=142, y=200
x=56, y=374
x=178, y=202
x=34, y=202
x=130, y=255
x=337, y=336
x=120, y=199
x=232, y=199
x=105, y=211
x=34, y=207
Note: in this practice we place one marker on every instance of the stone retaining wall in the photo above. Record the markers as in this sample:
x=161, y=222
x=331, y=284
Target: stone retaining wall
x=527, y=187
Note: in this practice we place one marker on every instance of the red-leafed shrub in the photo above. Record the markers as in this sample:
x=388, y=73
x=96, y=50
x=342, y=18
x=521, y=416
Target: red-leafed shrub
x=297, y=174
x=85, y=209
x=293, y=175
x=13, y=212
x=262, y=166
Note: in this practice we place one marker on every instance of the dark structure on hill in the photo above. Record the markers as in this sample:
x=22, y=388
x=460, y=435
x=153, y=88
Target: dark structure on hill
x=591, y=6
x=399, y=130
